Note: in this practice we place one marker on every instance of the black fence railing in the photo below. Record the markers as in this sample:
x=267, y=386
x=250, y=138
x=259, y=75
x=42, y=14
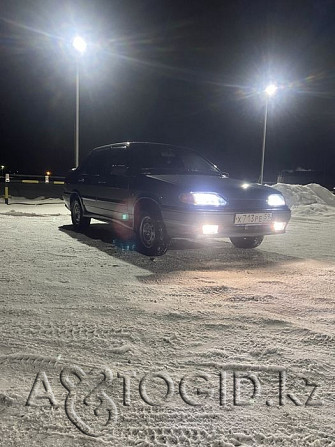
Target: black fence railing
x=30, y=178
x=30, y=186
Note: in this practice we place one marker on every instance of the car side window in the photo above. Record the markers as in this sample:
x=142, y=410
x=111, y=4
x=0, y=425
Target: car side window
x=118, y=160
x=106, y=162
x=96, y=163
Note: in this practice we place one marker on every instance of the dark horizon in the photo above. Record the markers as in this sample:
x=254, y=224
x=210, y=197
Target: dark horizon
x=183, y=73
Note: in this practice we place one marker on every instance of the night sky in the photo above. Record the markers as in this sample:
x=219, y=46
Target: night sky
x=190, y=73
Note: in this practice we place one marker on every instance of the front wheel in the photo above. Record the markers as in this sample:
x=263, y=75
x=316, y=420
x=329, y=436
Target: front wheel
x=79, y=222
x=152, y=238
x=247, y=242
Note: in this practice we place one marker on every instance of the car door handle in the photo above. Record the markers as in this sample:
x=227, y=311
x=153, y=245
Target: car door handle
x=81, y=180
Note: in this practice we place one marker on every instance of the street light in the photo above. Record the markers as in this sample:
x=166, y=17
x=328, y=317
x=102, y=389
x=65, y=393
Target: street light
x=79, y=45
x=269, y=91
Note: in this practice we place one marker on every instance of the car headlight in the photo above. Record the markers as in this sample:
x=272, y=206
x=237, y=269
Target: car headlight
x=276, y=200
x=202, y=199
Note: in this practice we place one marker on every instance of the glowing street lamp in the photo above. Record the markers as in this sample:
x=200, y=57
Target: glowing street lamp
x=269, y=91
x=80, y=46
x=2, y=168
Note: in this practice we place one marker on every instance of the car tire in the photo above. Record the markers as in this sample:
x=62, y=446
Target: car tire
x=247, y=242
x=79, y=221
x=152, y=239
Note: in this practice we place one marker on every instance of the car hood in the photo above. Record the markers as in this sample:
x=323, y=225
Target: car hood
x=228, y=188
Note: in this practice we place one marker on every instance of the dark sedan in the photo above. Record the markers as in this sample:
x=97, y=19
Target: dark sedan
x=162, y=192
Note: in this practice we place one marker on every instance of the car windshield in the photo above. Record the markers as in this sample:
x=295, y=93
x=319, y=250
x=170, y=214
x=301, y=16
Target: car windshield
x=170, y=160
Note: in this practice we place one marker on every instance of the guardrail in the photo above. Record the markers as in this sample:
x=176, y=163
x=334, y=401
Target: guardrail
x=28, y=178
x=31, y=186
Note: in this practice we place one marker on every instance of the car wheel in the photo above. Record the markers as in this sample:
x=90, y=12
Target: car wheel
x=77, y=216
x=247, y=242
x=152, y=239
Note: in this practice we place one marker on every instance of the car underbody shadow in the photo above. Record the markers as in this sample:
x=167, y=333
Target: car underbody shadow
x=183, y=254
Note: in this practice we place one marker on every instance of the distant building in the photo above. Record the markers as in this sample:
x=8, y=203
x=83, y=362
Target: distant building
x=302, y=176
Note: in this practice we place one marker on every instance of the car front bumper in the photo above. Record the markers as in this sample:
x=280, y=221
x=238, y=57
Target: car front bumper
x=190, y=223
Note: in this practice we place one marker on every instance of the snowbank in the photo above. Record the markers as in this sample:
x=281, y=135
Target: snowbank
x=308, y=199
x=41, y=206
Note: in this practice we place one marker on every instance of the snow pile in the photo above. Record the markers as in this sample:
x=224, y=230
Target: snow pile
x=41, y=206
x=308, y=199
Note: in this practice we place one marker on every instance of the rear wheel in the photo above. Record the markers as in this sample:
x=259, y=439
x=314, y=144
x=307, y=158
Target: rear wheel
x=79, y=221
x=247, y=242
x=152, y=239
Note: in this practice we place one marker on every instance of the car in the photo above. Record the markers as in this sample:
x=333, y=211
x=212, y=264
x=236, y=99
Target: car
x=160, y=192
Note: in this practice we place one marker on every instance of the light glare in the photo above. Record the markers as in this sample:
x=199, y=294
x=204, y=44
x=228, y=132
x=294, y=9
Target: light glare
x=203, y=199
x=210, y=229
x=79, y=44
x=208, y=199
x=276, y=200
x=279, y=226
x=271, y=89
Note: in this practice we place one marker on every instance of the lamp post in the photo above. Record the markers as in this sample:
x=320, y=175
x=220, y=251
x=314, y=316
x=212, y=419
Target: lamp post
x=79, y=45
x=269, y=91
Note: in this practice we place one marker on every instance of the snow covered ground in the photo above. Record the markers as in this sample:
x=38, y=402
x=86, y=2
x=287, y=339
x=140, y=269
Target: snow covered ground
x=208, y=345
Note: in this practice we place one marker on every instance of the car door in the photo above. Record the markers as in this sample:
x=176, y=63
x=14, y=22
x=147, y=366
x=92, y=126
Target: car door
x=89, y=178
x=112, y=185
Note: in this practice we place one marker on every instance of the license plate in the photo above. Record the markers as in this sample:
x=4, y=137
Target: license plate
x=252, y=218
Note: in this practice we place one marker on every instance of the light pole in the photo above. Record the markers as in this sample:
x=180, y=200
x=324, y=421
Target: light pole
x=79, y=45
x=2, y=168
x=269, y=91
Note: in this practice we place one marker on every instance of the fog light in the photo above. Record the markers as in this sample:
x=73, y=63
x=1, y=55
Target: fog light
x=279, y=226
x=210, y=229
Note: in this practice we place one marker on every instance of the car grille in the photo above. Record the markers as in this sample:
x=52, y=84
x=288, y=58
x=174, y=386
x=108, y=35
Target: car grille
x=247, y=205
